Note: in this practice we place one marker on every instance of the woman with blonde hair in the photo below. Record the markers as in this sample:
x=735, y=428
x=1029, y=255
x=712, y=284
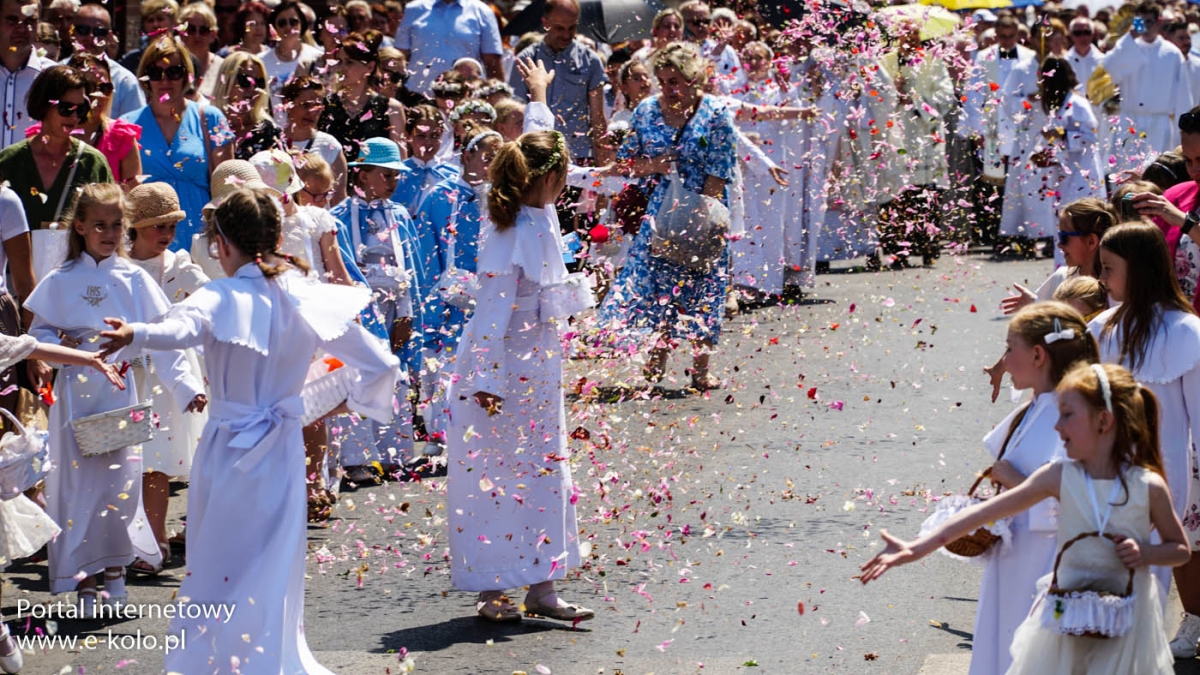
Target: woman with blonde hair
x=241, y=93
x=198, y=28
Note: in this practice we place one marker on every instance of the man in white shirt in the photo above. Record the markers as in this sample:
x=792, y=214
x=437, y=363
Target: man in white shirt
x=981, y=117
x=92, y=33
x=1083, y=55
x=1151, y=75
x=1176, y=32
x=19, y=67
x=697, y=27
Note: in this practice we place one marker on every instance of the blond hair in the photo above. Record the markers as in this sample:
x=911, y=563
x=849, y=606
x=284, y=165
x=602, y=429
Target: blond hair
x=88, y=196
x=1087, y=291
x=260, y=108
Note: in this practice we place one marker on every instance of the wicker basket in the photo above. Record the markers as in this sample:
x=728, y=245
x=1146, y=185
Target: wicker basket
x=113, y=430
x=325, y=392
x=1115, y=611
x=24, y=458
x=980, y=541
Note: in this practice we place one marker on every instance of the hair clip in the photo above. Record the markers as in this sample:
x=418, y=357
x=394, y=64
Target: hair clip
x=1059, y=334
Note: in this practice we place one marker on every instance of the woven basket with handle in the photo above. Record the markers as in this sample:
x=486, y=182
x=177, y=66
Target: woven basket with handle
x=113, y=430
x=978, y=542
x=1057, y=598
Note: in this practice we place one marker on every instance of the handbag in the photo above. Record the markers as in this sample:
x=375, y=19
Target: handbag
x=631, y=203
x=115, y=429
x=327, y=388
x=690, y=229
x=24, y=458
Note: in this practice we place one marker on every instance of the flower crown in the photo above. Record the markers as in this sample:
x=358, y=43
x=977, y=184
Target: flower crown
x=493, y=88
x=473, y=106
x=560, y=151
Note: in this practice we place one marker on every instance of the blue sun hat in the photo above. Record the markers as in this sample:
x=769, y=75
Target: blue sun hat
x=381, y=152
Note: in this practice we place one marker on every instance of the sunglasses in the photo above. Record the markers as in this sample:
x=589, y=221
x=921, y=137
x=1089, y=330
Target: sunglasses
x=1064, y=238
x=79, y=110
x=195, y=29
x=12, y=21
x=700, y=22
x=393, y=77
x=1189, y=122
x=247, y=81
x=287, y=23
x=173, y=73
x=91, y=31
x=359, y=57
x=105, y=88
x=1081, y=33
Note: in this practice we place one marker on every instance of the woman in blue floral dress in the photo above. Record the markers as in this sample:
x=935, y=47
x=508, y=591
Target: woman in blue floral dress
x=696, y=133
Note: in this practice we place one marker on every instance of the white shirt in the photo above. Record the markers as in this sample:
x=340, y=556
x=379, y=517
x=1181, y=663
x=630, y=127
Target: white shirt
x=280, y=71
x=14, y=88
x=1084, y=65
x=12, y=224
x=1151, y=77
x=320, y=143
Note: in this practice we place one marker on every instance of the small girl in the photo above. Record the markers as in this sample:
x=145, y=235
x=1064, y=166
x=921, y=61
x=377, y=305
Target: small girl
x=454, y=212
x=512, y=519
x=1155, y=333
x=154, y=211
x=98, y=498
x=260, y=328
x=1085, y=295
x=1043, y=342
x=1113, y=484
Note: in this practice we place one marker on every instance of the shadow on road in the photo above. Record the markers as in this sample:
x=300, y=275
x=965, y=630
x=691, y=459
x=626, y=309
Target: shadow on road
x=468, y=630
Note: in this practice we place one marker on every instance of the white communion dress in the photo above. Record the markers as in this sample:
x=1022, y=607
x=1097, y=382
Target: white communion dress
x=1092, y=564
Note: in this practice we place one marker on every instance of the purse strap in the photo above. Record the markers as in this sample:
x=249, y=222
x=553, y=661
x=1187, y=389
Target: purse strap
x=208, y=157
x=17, y=427
x=1012, y=429
x=62, y=199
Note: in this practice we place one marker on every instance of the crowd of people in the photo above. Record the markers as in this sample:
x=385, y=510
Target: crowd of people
x=259, y=204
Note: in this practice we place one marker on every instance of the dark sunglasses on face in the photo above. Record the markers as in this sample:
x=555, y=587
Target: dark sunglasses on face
x=173, y=73
x=1065, y=237
x=287, y=23
x=701, y=22
x=105, y=88
x=359, y=57
x=1081, y=33
x=247, y=81
x=13, y=21
x=91, y=31
x=194, y=29
x=393, y=77
x=67, y=109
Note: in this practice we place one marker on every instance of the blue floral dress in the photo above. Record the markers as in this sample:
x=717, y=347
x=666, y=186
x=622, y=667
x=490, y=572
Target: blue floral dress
x=651, y=294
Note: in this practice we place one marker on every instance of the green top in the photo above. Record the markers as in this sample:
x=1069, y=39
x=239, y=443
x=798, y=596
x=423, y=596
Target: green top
x=18, y=168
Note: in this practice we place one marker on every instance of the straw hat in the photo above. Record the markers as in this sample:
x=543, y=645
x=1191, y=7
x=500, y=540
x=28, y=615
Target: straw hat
x=231, y=175
x=153, y=204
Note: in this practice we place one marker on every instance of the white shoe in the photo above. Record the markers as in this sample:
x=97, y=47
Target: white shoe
x=1184, y=644
x=11, y=662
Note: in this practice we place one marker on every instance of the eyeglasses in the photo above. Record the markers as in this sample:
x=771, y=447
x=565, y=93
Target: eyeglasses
x=700, y=22
x=247, y=81
x=83, y=30
x=1081, y=33
x=105, y=87
x=393, y=77
x=282, y=22
x=1189, y=122
x=80, y=110
x=1064, y=237
x=195, y=29
x=173, y=73
x=318, y=196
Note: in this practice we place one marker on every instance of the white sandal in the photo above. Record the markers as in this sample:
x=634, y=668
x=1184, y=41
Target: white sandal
x=11, y=659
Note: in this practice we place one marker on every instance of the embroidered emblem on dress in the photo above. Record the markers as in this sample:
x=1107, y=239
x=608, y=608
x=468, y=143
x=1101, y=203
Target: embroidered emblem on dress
x=95, y=295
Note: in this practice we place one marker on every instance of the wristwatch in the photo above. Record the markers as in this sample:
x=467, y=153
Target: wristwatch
x=1189, y=221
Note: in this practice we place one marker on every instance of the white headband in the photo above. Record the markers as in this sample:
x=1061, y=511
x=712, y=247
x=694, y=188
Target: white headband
x=1105, y=388
x=479, y=138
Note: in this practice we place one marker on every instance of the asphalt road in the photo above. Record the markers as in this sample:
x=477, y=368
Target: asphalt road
x=726, y=529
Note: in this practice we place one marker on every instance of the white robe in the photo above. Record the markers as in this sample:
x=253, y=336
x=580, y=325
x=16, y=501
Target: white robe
x=1084, y=66
x=1154, y=88
x=98, y=499
x=246, y=504
x=985, y=92
x=1010, y=577
x=1170, y=371
x=171, y=450
x=758, y=257
x=510, y=497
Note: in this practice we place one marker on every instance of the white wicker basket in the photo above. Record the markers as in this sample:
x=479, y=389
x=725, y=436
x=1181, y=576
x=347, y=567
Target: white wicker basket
x=24, y=458
x=103, y=433
x=325, y=392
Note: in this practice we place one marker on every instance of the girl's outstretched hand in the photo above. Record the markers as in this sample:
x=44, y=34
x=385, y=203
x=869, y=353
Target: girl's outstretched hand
x=118, y=338
x=898, y=552
x=1129, y=551
x=110, y=371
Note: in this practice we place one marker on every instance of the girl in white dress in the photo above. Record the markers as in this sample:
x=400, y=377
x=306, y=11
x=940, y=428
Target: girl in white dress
x=98, y=498
x=1114, y=485
x=154, y=212
x=246, y=505
x=1043, y=342
x=1155, y=333
x=510, y=497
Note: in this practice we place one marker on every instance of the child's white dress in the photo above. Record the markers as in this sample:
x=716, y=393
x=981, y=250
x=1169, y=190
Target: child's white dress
x=24, y=526
x=1092, y=564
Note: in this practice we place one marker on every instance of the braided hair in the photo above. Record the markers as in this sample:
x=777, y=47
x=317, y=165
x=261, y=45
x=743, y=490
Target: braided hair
x=252, y=222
